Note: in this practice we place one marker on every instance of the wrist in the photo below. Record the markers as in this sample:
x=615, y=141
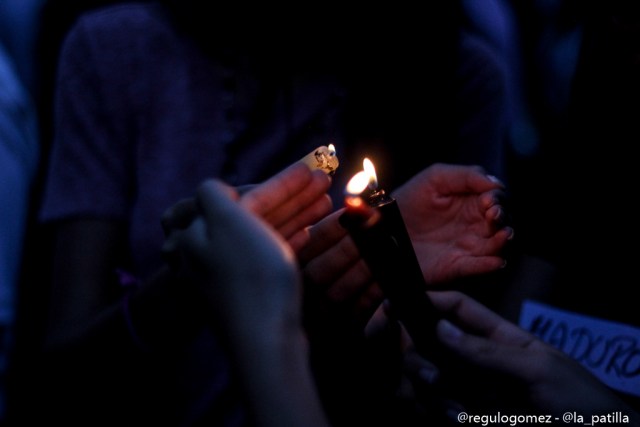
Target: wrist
x=274, y=372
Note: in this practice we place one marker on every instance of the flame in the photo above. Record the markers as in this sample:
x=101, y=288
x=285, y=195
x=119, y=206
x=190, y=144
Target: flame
x=363, y=179
x=370, y=170
x=332, y=150
x=358, y=183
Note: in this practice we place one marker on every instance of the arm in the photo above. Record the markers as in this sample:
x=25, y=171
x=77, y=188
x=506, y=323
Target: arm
x=86, y=309
x=253, y=300
x=90, y=337
x=454, y=218
x=86, y=296
x=552, y=381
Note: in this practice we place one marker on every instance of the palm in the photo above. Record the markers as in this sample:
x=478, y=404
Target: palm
x=453, y=225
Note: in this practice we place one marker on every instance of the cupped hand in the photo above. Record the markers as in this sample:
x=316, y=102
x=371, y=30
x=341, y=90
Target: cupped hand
x=242, y=267
x=455, y=219
x=291, y=201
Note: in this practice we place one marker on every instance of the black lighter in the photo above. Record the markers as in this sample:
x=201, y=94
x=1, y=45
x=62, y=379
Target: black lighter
x=385, y=246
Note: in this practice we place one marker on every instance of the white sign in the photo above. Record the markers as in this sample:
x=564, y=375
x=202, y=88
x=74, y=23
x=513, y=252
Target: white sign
x=610, y=350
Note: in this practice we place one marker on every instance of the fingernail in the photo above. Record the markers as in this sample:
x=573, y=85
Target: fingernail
x=448, y=331
x=511, y=234
x=504, y=264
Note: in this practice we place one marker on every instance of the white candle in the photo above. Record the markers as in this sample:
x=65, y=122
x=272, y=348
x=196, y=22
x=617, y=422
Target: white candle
x=323, y=158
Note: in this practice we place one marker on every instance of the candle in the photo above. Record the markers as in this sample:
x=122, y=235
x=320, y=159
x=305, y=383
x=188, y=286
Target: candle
x=323, y=158
x=376, y=226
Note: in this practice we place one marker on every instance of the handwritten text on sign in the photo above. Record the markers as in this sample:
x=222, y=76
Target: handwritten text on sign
x=610, y=350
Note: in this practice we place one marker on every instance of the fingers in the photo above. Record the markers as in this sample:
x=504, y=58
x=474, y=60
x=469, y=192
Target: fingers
x=469, y=256
x=215, y=200
x=178, y=216
x=184, y=227
x=309, y=215
x=495, y=217
x=315, y=189
x=491, y=203
x=478, y=245
x=295, y=187
x=492, y=245
x=475, y=317
x=299, y=240
x=472, y=266
x=495, y=355
x=418, y=368
x=291, y=201
x=327, y=267
x=450, y=179
x=230, y=225
x=264, y=197
x=354, y=280
x=492, y=197
x=184, y=246
x=323, y=235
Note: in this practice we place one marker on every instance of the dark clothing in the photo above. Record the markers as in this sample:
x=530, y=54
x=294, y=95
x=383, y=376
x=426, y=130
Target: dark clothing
x=144, y=114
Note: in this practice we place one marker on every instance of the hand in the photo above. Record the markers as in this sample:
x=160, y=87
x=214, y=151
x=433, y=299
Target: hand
x=552, y=381
x=248, y=276
x=337, y=280
x=243, y=268
x=291, y=201
x=455, y=220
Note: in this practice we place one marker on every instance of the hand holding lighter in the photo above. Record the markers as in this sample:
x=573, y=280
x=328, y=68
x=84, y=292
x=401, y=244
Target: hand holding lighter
x=386, y=247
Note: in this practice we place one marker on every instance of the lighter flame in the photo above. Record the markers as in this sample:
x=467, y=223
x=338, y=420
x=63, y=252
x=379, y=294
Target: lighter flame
x=363, y=179
x=358, y=183
x=370, y=170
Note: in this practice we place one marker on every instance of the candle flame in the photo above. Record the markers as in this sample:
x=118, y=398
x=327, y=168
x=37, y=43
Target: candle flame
x=358, y=183
x=370, y=170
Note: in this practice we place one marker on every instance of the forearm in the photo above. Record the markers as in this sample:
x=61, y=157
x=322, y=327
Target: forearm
x=276, y=378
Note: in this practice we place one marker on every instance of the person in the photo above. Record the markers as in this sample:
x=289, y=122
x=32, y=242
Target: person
x=148, y=334
x=583, y=77
x=19, y=32
x=553, y=383
x=255, y=303
x=456, y=223
x=454, y=217
x=18, y=160
x=548, y=381
x=196, y=236
x=149, y=116
x=158, y=321
x=383, y=91
x=77, y=344
x=605, y=73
